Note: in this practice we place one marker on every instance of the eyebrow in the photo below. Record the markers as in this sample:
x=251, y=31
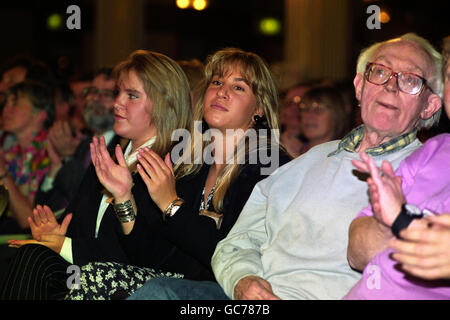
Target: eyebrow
x=410, y=69
x=132, y=91
x=241, y=80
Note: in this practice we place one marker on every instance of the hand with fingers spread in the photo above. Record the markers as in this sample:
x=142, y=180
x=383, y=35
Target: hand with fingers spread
x=43, y=222
x=385, y=189
x=158, y=176
x=254, y=288
x=64, y=142
x=115, y=177
x=425, y=251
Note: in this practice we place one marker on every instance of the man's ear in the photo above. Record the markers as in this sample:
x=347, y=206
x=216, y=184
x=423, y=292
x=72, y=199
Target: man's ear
x=434, y=103
x=358, y=83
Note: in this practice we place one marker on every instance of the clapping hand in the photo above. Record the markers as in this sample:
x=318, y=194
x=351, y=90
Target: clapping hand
x=424, y=250
x=115, y=177
x=158, y=176
x=385, y=189
x=45, y=229
x=63, y=141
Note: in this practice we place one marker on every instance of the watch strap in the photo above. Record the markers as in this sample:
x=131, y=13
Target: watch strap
x=402, y=221
x=168, y=212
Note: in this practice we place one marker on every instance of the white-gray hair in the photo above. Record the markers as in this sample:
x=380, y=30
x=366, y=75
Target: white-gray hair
x=435, y=81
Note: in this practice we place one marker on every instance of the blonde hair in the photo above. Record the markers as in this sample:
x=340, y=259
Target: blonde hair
x=258, y=76
x=167, y=86
x=435, y=81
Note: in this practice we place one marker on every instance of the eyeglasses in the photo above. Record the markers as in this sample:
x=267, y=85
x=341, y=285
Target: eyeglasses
x=293, y=101
x=407, y=82
x=313, y=107
x=102, y=93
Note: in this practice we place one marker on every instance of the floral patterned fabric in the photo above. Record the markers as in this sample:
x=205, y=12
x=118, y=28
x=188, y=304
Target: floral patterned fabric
x=28, y=166
x=109, y=280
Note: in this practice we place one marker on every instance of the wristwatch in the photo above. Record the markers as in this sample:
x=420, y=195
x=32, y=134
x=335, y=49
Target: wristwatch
x=408, y=213
x=172, y=208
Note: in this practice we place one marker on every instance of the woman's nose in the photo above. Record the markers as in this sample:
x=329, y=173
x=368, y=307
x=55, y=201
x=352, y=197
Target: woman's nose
x=222, y=92
x=117, y=102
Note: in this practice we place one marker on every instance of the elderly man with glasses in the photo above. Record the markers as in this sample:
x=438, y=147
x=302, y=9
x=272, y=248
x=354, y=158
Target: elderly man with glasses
x=290, y=241
x=401, y=241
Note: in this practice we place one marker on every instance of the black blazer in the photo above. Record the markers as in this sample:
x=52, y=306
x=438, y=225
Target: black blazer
x=68, y=179
x=187, y=241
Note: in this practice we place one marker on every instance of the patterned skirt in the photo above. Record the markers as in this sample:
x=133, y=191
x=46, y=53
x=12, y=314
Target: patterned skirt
x=112, y=280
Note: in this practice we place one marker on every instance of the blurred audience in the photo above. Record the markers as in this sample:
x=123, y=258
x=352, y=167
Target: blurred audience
x=323, y=116
x=69, y=148
x=194, y=71
x=63, y=101
x=27, y=114
x=19, y=69
x=290, y=120
x=22, y=68
x=78, y=84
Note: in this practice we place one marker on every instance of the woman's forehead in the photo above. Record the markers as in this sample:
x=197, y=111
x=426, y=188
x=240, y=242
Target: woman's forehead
x=129, y=78
x=238, y=70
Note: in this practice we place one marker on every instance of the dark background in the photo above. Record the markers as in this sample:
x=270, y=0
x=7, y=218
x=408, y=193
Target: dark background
x=185, y=34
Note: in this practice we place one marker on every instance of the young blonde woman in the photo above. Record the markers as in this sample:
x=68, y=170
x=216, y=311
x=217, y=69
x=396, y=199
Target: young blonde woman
x=239, y=97
x=153, y=100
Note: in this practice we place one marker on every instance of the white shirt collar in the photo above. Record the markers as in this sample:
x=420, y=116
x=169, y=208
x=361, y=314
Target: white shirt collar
x=109, y=135
x=131, y=157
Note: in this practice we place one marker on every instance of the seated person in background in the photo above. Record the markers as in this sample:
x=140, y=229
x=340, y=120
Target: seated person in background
x=153, y=101
x=68, y=147
x=322, y=116
x=194, y=70
x=290, y=241
x=290, y=121
x=63, y=101
x=78, y=83
x=238, y=98
x=19, y=69
x=423, y=249
x=22, y=68
x=27, y=115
